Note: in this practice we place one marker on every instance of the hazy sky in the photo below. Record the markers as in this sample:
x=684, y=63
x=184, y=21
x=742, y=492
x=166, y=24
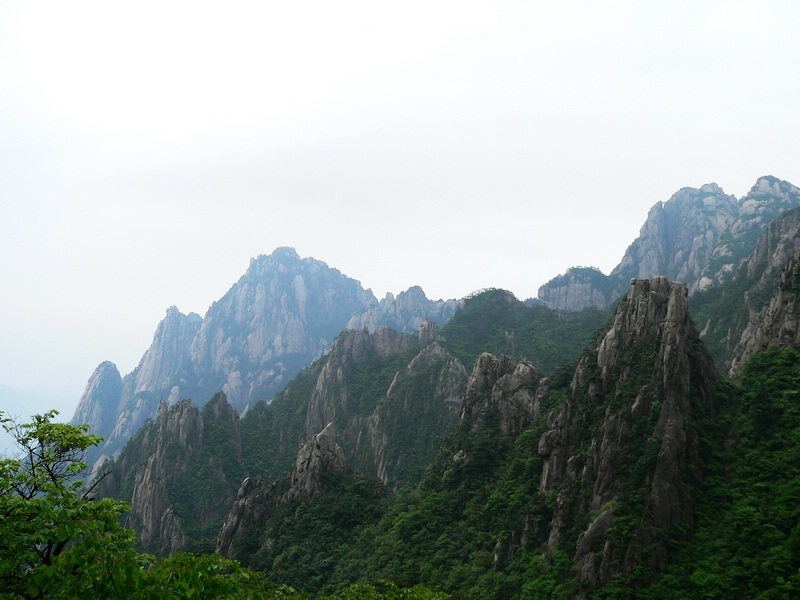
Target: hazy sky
x=149, y=150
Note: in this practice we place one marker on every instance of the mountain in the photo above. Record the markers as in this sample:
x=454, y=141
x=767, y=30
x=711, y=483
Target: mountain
x=280, y=316
x=748, y=314
x=519, y=451
x=699, y=236
x=389, y=396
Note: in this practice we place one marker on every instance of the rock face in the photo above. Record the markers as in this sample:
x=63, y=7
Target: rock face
x=100, y=401
x=282, y=314
x=753, y=310
x=407, y=312
x=699, y=236
x=579, y=288
x=778, y=325
x=321, y=454
x=774, y=324
x=279, y=317
x=502, y=389
x=126, y=406
x=157, y=472
x=679, y=236
x=384, y=392
x=629, y=424
x=258, y=499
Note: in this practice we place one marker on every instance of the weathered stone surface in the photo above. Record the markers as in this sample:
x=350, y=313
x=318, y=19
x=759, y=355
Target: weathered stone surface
x=505, y=389
x=699, y=236
x=257, y=499
x=156, y=463
x=321, y=454
x=643, y=378
x=98, y=407
x=778, y=324
x=406, y=312
x=280, y=316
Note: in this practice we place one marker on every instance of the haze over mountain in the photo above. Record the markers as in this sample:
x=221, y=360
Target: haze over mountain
x=286, y=311
x=582, y=456
x=453, y=147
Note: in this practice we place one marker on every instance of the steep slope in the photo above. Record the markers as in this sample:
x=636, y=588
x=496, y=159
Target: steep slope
x=624, y=448
x=180, y=474
x=385, y=392
x=117, y=410
x=558, y=486
x=406, y=312
x=731, y=315
x=279, y=317
x=699, y=236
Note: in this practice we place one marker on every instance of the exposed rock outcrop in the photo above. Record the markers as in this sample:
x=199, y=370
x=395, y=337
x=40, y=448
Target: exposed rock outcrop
x=98, y=407
x=628, y=424
x=279, y=317
x=258, y=499
x=579, y=288
x=699, y=236
x=160, y=472
x=777, y=325
x=321, y=454
x=503, y=390
x=406, y=312
x=175, y=440
x=754, y=310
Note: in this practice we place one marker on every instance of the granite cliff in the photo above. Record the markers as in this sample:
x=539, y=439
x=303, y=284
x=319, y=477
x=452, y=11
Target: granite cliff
x=698, y=236
x=280, y=316
x=624, y=447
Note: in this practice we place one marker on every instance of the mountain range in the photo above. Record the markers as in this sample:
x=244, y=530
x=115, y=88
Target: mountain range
x=628, y=435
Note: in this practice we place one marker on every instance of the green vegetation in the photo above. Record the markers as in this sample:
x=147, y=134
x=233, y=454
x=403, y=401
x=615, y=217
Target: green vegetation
x=494, y=321
x=59, y=542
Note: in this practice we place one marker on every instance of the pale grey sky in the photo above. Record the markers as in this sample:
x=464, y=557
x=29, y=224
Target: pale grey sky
x=149, y=149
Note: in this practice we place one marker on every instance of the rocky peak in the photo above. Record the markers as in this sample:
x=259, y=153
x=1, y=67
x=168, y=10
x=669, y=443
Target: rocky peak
x=698, y=236
x=258, y=498
x=628, y=424
x=679, y=235
x=501, y=388
x=99, y=403
x=319, y=455
x=283, y=308
x=167, y=352
x=406, y=312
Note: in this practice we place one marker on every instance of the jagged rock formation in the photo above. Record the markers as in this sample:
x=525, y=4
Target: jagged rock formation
x=778, y=324
x=699, y=236
x=624, y=447
x=374, y=394
x=407, y=312
x=161, y=469
x=749, y=312
x=579, y=288
x=384, y=392
x=319, y=455
x=279, y=317
x=99, y=403
x=126, y=406
x=679, y=236
x=502, y=389
x=258, y=499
